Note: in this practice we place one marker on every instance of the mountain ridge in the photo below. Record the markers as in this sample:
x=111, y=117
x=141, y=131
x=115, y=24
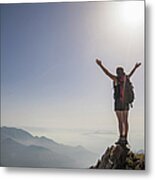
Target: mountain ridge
x=51, y=153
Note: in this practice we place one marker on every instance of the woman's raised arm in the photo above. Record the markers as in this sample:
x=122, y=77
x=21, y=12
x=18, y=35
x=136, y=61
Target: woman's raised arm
x=113, y=77
x=134, y=69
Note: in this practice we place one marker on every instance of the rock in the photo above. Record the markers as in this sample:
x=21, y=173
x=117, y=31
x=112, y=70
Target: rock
x=120, y=157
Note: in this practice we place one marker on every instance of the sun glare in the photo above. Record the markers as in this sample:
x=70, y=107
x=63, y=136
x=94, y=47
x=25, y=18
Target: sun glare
x=132, y=12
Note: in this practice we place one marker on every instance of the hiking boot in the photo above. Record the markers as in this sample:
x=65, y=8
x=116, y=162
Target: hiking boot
x=122, y=141
x=119, y=141
x=126, y=142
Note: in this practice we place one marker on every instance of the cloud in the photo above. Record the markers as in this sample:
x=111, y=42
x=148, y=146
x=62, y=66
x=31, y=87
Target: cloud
x=101, y=132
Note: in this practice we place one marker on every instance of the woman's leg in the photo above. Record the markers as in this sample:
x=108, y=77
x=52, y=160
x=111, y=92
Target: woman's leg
x=119, y=115
x=125, y=122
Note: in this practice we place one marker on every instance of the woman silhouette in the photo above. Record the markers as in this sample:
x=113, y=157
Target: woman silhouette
x=121, y=108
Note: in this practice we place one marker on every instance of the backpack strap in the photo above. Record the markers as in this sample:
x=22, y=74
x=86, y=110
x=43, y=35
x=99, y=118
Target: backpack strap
x=124, y=84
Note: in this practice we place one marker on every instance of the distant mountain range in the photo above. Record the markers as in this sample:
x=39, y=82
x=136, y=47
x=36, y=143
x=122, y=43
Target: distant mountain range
x=21, y=149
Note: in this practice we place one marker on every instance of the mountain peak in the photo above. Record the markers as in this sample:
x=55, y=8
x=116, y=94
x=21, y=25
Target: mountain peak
x=15, y=132
x=120, y=157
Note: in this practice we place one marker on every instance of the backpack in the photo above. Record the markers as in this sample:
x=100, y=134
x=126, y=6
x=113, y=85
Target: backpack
x=129, y=95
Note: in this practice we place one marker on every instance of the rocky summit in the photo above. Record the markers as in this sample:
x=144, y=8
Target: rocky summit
x=120, y=157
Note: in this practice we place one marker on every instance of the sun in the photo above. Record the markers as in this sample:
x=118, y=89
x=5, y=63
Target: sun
x=131, y=12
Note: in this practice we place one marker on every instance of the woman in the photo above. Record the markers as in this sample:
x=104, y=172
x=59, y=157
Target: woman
x=121, y=108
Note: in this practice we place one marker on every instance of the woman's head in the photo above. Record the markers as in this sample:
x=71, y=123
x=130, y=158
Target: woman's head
x=120, y=71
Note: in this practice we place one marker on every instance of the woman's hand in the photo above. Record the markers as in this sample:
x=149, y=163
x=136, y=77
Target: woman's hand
x=137, y=65
x=99, y=62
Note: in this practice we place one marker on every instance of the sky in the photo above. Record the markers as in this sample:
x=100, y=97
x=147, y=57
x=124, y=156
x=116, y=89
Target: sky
x=49, y=78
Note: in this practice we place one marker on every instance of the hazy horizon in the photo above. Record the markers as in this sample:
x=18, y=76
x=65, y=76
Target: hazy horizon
x=95, y=141
x=49, y=78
